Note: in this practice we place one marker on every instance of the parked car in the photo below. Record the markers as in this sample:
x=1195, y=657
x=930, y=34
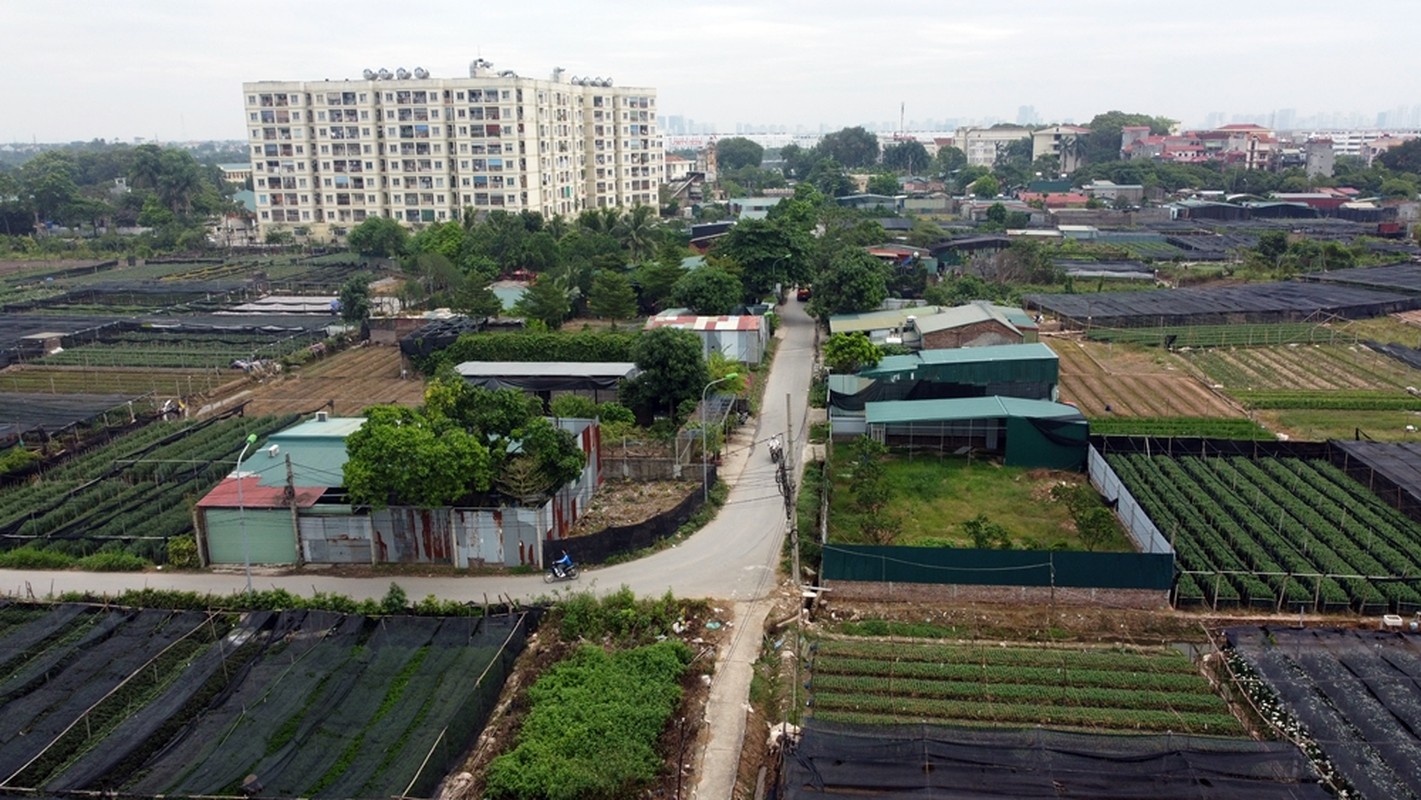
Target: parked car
x=802, y=294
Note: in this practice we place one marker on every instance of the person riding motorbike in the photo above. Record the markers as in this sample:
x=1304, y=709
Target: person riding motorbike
x=563, y=565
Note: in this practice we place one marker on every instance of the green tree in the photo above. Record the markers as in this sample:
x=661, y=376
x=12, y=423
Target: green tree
x=968, y=175
x=673, y=371
x=850, y=352
x=403, y=457
x=708, y=291
x=637, y=232
x=984, y=534
x=379, y=237
x=854, y=147
x=553, y=450
x=655, y=281
x=986, y=187
x=354, y=300
x=997, y=214
x=768, y=252
x=872, y=493
x=883, y=183
x=855, y=281
x=547, y=300
x=1405, y=157
x=829, y=177
x=1103, y=142
x=909, y=157
x=736, y=152
x=474, y=297
x=1272, y=245
x=612, y=296
x=949, y=159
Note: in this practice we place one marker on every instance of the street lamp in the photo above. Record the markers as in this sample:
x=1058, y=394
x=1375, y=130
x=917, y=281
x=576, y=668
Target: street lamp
x=241, y=512
x=705, y=481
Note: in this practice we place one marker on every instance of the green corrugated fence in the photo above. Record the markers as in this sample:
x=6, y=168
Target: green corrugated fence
x=944, y=565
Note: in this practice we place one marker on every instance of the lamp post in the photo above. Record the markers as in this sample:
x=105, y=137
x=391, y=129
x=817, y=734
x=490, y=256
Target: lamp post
x=242, y=515
x=705, y=431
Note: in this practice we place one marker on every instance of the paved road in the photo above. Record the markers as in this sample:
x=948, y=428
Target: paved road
x=733, y=559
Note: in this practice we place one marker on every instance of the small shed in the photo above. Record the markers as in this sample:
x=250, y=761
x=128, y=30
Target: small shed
x=1028, y=433
x=1028, y=371
x=741, y=338
x=596, y=379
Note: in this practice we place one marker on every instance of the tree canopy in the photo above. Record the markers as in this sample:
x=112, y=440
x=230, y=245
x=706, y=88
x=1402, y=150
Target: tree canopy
x=673, y=372
x=854, y=147
x=909, y=157
x=403, y=456
x=1405, y=157
x=736, y=152
x=379, y=237
x=850, y=352
x=855, y=281
x=708, y=291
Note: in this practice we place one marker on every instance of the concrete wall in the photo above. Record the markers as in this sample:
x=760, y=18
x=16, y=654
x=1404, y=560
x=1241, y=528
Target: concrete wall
x=889, y=592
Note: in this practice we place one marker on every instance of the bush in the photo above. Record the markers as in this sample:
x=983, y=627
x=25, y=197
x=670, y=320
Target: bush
x=112, y=561
x=593, y=725
x=182, y=553
x=574, y=406
x=582, y=347
x=16, y=459
x=31, y=557
x=616, y=413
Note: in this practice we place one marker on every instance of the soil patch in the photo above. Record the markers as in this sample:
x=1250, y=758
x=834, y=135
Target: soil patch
x=619, y=503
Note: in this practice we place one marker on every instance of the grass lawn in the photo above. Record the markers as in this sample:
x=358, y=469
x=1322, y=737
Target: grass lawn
x=1315, y=425
x=933, y=496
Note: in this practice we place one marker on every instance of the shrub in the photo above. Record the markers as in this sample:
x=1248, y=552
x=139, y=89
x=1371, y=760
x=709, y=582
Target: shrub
x=112, y=561
x=592, y=729
x=574, y=406
x=30, y=557
x=182, y=552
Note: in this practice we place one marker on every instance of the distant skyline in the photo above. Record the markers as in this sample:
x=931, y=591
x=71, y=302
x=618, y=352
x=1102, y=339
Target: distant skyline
x=86, y=69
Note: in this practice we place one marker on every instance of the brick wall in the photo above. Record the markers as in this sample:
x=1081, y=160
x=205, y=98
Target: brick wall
x=978, y=334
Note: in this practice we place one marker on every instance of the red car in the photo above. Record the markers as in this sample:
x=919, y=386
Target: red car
x=802, y=294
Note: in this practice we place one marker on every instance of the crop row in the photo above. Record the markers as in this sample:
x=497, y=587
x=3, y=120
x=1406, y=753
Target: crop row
x=188, y=353
x=136, y=490
x=879, y=709
x=982, y=656
x=1269, y=520
x=1207, y=427
x=879, y=670
x=1055, y=695
x=1357, y=400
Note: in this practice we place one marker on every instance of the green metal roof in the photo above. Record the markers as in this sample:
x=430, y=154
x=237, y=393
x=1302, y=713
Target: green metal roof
x=316, y=448
x=965, y=408
x=890, y=365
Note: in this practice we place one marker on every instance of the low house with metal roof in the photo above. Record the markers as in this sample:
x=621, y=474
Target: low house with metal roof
x=1025, y=433
x=287, y=506
x=599, y=380
x=743, y=337
x=976, y=324
x=1027, y=371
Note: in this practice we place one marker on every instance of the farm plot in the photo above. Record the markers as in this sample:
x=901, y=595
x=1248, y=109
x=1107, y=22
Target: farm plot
x=312, y=703
x=860, y=681
x=353, y=379
x=1354, y=692
x=128, y=381
x=1304, y=368
x=1132, y=383
x=133, y=493
x=1276, y=533
x=182, y=351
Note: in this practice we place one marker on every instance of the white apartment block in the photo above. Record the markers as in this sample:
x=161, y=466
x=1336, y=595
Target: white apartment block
x=326, y=155
x=981, y=145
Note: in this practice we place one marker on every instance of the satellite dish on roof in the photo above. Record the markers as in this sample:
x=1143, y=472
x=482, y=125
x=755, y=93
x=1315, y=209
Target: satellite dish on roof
x=369, y=74
x=383, y=74
x=421, y=73
x=402, y=73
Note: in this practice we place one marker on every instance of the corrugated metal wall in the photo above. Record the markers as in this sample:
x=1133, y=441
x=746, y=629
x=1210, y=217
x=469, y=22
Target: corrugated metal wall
x=335, y=539
x=268, y=534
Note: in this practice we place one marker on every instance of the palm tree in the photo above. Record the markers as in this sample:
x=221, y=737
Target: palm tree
x=147, y=167
x=637, y=232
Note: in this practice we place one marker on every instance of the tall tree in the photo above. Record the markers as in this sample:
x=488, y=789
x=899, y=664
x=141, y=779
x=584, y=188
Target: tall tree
x=1405, y=157
x=354, y=300
x=379, y=237
x=637, y=232
x=474, y=297
x=673, y=372
x=855, y=281
x=654, y=282
x=548, y=300
x=611, y=296
x=949, y=159
x=402, y=456
x=883, y=183
x=708, y=291
x=768, y=253
x=909, y=157
x=854, y=147
x=736, y=152
x=1103, y=143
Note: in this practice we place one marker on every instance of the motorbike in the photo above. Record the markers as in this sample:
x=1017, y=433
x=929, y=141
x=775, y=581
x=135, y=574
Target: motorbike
x=561, y=570
x=776, y=449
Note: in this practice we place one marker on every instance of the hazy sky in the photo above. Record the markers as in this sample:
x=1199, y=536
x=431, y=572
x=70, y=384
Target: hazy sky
x=80, y=69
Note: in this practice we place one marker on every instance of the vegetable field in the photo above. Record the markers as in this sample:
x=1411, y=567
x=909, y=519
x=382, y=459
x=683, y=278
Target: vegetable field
x=1207, y=427
x=130, y=381
x=1277, y=533
x=192, y=703
x=186, y=351
x=1354, y=692
x=133, y=494
x=1133, y=383
x=1304, y=368
x=353, y=379
x=862, y=681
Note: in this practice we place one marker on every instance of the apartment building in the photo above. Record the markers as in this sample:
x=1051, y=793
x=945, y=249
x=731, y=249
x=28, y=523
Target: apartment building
x=981, y=145
x=327, y=155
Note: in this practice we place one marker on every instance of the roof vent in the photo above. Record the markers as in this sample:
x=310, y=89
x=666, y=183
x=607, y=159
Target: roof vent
x=322, y=416
x=273, y=450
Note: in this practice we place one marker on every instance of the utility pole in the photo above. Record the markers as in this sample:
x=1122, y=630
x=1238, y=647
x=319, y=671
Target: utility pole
x=786, y=481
